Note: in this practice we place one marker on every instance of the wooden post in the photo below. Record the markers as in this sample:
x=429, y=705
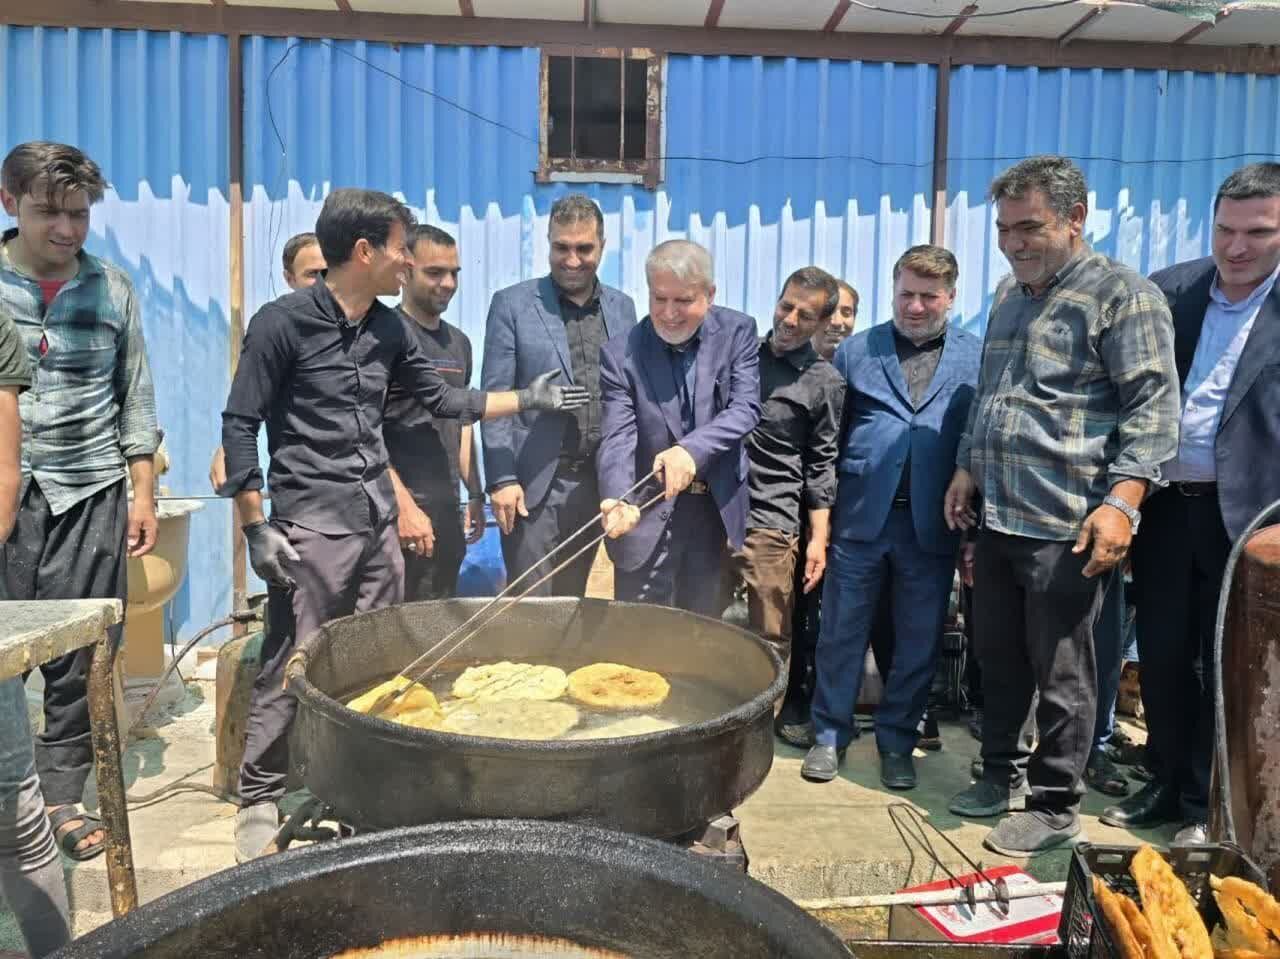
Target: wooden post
x=235, y=140
x=941, y=120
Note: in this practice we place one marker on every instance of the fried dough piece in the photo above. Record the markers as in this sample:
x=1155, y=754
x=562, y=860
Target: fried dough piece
x=420, y=718
x=1141, y=928
x=499, y=682
x=418, y=697
x=1122, y=931
x=1169, y=907
x=630, y=726
x=1252, y=914
x=614, y=686
x=529, y=719
x=1240, y=953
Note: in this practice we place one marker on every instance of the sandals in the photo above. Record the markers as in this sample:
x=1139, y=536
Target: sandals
x=256, y=828
x=68, y=839
x=1105, y=776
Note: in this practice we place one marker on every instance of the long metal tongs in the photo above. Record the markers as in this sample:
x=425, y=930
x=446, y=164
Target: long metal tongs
x=390, y=697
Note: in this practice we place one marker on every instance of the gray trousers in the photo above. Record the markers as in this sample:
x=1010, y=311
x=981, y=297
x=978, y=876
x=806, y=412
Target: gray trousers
x=30, y=868
x=336, y=575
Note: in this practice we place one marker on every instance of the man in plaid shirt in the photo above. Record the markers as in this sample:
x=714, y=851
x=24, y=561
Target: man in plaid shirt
x=88, y=420
x=1076, y=410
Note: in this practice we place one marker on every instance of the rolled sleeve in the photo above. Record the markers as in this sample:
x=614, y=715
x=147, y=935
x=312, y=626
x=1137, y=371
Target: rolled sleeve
x=824, y=448
x=1138, y=350
x=135, y=392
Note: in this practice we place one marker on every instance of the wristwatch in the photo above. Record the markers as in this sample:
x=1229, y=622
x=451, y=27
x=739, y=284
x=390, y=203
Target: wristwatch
x=1135, y=517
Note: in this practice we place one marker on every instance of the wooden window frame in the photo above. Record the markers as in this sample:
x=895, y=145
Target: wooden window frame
x=648, y=170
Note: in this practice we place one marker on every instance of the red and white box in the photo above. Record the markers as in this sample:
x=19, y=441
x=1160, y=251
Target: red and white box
x=1032, y=920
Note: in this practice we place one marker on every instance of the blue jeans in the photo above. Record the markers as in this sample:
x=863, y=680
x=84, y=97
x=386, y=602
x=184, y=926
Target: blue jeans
x=920, y=582
x=30, y=868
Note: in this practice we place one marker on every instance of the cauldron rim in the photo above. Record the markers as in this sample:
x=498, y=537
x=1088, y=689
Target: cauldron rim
x=237, y=887
x=300, y=685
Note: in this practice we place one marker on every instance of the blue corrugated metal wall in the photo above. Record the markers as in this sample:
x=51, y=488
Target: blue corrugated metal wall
x=151, y=108
x=465, y=158
x=1154, y=145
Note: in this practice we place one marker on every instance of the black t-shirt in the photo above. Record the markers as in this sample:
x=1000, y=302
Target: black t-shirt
x=424, y=449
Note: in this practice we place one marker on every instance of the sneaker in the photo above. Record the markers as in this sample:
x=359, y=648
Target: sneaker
x=798, y=734
x=985, y=798
x=1027, y=834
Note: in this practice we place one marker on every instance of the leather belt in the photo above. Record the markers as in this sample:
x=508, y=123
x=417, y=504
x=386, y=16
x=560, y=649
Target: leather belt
x=698, y=488
x=1196, y=489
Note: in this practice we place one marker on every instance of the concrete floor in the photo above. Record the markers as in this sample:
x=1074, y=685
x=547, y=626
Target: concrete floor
x=806, y=840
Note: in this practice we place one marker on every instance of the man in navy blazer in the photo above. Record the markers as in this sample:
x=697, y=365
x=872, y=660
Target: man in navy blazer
x=909, y=386
x=540, y=468
x=1226, y=318
x=680, y=394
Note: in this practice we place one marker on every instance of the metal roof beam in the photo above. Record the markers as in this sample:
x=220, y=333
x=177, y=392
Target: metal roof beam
x=1079, y=26
x=954, y=26
x=1204, y=26
x=714, y=9
x=833, y=21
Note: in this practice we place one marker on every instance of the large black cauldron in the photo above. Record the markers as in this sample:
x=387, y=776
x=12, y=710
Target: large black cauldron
x=378, y=774
x=638, y=897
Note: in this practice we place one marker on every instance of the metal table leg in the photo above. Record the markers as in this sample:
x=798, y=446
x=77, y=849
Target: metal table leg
x=105, y=733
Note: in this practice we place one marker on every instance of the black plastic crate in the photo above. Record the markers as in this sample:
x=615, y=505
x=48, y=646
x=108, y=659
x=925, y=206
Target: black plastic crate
x=1082, y=929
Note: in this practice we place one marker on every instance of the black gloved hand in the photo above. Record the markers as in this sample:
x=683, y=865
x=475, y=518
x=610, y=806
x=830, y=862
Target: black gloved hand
x=269, y=553
x=541, y=394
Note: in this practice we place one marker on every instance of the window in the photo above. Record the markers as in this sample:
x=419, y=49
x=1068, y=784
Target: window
x=601, y=115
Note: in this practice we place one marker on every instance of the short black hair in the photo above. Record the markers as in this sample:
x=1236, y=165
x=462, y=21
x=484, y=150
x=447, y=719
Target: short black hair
x=57, y=167
x=426, y=233
x=350, y=214
x=576, y=208
x=1248, y=182
x=1057, y=177
x=296, y=245
x=815, y=278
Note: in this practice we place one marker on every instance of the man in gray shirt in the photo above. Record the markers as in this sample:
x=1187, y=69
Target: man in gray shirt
x=1076, y=410
x=89, y=420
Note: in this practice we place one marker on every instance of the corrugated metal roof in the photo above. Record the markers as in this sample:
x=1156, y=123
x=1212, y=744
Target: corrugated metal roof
x=151, y=108
x=1153, y=145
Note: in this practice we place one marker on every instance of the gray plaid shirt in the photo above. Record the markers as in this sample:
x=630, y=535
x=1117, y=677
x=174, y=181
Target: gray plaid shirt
x=91, y=402
x=1078, y=390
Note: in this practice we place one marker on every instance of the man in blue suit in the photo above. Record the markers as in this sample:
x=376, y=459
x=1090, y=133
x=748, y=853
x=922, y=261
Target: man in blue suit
x=1226, y=325
x=909, y=385
x=540, y=468
x=680, y=393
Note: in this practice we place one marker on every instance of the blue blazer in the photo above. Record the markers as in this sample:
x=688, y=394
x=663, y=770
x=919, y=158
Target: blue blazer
x=1247, y=447
x=881, y=426
x=524, y=337
x=641, y=418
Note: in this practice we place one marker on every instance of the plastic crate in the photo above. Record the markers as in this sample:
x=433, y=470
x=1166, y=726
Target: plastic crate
x=1084, y=933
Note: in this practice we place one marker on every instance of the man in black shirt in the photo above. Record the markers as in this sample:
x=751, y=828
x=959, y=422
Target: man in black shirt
x=427, y=454
x=791, y=457
x=315, y=367
x=540, y=467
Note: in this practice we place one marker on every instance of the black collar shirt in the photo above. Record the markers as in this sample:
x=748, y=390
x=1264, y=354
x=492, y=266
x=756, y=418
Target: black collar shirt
x=919, y=364
x=792, y=452
x=320, y=382
x=585, y=331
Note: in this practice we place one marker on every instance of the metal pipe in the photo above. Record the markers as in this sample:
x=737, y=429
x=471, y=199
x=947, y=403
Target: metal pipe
x=105, y=734
x=937, y=897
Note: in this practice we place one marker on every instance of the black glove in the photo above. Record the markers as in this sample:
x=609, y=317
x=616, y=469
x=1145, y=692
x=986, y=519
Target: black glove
x=269, y=552
x=542, y=395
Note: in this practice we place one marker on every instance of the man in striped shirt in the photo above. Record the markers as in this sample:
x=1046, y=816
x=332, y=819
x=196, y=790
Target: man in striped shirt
x=1076, y=410
x=88, y=420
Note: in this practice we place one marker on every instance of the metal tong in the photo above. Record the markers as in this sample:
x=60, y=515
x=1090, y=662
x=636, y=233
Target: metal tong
x=389, y=698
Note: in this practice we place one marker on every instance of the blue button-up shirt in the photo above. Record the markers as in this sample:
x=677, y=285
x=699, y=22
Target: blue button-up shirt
x=1222, y=338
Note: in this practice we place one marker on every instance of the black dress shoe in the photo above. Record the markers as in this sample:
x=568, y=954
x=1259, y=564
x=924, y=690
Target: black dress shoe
x=898, y=770
x=822, y=764
x=1152, y=805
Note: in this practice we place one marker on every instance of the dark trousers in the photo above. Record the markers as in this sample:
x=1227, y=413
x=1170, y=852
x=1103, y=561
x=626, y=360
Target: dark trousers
x=766, y=564
x=1178, y=562
x=1033, y=628
x=687, y=568
x=80, y=554
x=336, y=575
x=572, y=500
x=1108, y=647
x=918, y=583
x=436, y=576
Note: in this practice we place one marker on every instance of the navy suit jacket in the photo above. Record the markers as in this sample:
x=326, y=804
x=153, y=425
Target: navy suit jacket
x=523, y=338
x=1247, y=447
x=881, y=426
x=641, y=418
